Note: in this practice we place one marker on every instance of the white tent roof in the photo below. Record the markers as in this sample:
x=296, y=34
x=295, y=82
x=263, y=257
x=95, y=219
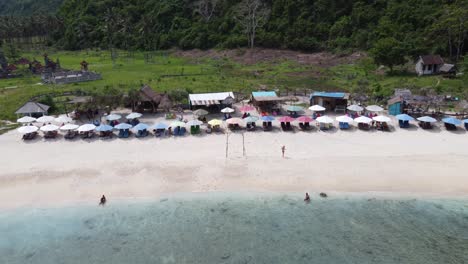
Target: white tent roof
x=209, y=98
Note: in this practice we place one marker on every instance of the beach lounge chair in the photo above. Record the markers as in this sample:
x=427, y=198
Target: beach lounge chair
x=450, y=127
x=121, y=133
x=363, y=126
x=466, y=126
x=70, y=135
x=283, y=126
x=288, y=126
x=194, y=130
x=385, y=126
x=324, y=126
x=343, y=125
x=425, y=125
x=302, y=126
x=403, y=123
x=182, y=131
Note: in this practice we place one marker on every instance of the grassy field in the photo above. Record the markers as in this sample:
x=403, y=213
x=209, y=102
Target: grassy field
x=166, y=72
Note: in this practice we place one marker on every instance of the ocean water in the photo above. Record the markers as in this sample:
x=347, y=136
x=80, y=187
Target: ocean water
x=240, y=228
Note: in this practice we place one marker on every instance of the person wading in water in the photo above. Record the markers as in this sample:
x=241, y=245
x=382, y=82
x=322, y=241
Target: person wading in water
x=103, y=200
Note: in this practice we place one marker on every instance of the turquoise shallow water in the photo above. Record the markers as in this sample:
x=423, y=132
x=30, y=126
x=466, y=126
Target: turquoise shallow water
x=234, y=228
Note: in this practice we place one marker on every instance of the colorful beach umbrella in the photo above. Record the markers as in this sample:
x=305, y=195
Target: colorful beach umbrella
x=344, y=119
x=251, y=119
x=305, y=119
x=45, y=119
x=427, y=119
x=363, y=119
x=160, y=126
x=69, y=127
x=355, y=108
x=133, y=115
x=317, y=108
x=374, y=108
x=141, y=126
x=381, y=118
x=49, y=128
x=324, y=119
x=86, y=128
x=26, y=119
x=104, y=128
x=113, y=117
x=247, y=108
x=27, y=129
x=200, y=112
x=267, y=118
x=63, y=119
x=286, y=119
x=234, y=121
x=404, y=117
x=294, y=108
x=452, y=121
x=194, y=123
x=215, y=122
x=227, y=110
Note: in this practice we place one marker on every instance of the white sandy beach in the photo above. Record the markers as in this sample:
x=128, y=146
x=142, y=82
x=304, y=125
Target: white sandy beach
x=407, y=162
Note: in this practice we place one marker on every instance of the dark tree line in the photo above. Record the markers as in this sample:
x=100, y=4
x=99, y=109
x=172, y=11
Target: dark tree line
x=24, y=29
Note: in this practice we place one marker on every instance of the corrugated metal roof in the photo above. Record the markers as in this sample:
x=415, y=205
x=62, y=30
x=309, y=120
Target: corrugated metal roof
x=32, y=107
x=209, y=98
x=264, y=94
x=327, y=94
x=432, y=59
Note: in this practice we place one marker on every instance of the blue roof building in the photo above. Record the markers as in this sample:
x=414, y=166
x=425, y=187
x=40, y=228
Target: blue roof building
x=332, y=101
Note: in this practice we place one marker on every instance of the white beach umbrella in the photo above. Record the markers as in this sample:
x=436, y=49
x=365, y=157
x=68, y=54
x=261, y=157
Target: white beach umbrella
x=69, y=127
x=355, y=108
x=324, y=119
x=374, y=108
x=227, y=110
x=363, y=119
x=63, y=119
x=381, y=118
x=317, y=108
x=233, y=121
x=27, y=129
x=86, y=128
x=113, y=117
x=49, y=128
x=194, y=123
x=26, y=119
x=134, y=115
x=426, y=119
x=45, y=119
x=344, y=119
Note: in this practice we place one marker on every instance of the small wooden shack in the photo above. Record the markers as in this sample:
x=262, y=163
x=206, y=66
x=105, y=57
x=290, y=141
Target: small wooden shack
x=332, y=101
x=32, y=109
x=266, y=100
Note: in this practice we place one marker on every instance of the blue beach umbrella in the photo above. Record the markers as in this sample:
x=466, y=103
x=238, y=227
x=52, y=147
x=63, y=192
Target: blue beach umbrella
x=465, y=121
x=404, y=117
x=141, y=126
x=267, y=118
x=104, y=128
x=123, y=126
x=160, y=126
x=251, y=119
x=452, y=121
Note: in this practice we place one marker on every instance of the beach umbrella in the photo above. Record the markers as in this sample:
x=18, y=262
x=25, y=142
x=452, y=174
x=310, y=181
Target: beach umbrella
x=247, y=108
x=215, y=122
x=69, y=127
x=49, y=128
x=324, y=119
x=113, y=117
x=363, y=119
x=104, y=128
x=141, y=126
x=177, y=124
x=227, y=110
x=452, y=121
x=427, y=119
x=133, y=116
x=404, y=117
x=286, y=119
x=381, y=118
x=200, y=112
x=63, y=119
x=160, y=126
x=194, y=123
x=305, y=119
x=267, y=118
x=344, y=119
x=317, y=108
x=251, y=119
x=355, y=108
x=86, y=128
x=27, y=129
x=123, y=126
x=234, y=120
x=26, y=119
x=374, y=108
x=45, y=119
x=294, y=108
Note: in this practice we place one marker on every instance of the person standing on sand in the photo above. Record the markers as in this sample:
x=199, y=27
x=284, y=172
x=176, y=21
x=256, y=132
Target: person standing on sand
x=283, y=149
x=103, y=200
